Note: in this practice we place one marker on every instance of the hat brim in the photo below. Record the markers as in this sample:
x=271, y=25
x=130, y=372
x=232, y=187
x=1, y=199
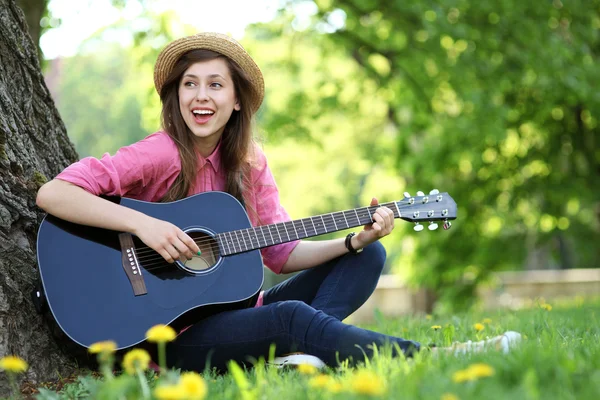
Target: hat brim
x=218, y=43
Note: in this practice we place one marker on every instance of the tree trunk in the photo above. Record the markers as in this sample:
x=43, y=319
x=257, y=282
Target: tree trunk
x=34, y=147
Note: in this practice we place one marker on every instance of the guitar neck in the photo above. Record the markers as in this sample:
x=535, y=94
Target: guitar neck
x=243, y=240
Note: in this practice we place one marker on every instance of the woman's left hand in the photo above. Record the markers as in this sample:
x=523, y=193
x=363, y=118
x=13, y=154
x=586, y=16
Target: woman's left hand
x=382, y=226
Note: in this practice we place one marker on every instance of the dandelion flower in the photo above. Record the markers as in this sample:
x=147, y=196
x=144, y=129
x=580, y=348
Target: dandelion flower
x=161, y=334
x=428, y=317
x=479, y=327
x=13, y=364
x=193, y=385
x=334, y=387
x=546, y=307
x=307, y=369
x=449, y=396
x=366, y=382
x=107, y=346
x=473, y=373
x=170, y=392
x=461, y=376
x=136, y=359
x=481, y=370
x=319, y=381
x=436, y=327
x=487, y=321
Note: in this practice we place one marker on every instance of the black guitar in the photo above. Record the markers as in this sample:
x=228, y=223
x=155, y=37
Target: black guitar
x=107, y=285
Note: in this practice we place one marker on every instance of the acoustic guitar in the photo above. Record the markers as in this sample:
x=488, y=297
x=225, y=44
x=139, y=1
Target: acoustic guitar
x=107, y=285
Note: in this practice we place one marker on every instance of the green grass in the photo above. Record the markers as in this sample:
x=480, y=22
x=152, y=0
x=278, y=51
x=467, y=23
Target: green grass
x=559, y=359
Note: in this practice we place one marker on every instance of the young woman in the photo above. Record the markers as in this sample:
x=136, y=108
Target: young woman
x=210, y=89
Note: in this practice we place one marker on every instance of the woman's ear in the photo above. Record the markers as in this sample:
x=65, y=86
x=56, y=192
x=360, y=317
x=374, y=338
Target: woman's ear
x=237, y=106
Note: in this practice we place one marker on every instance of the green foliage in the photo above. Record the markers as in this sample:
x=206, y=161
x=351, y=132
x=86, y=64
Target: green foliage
x=559, y=358
x=494, y=103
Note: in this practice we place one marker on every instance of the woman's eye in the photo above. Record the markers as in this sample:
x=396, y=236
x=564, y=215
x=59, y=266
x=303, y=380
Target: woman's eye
x=216, y=84
x=189, y=84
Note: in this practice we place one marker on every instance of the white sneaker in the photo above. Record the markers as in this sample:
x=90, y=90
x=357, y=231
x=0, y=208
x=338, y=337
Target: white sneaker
x=503, y=343
x=295, y=359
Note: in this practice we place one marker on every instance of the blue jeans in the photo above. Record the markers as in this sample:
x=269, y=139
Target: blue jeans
x=301, y=314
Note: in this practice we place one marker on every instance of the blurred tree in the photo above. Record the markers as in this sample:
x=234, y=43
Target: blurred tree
x=494, y=102
x=33, y=145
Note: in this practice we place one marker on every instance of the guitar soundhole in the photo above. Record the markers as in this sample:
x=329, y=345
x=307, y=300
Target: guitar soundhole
x=209, y=253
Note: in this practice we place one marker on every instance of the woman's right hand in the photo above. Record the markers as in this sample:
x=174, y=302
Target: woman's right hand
x=166, y=239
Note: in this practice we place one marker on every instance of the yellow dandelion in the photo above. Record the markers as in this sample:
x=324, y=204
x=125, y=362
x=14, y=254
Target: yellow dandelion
x=161, y=334
x=335, y=387
x=366, y=382
x=487, y=321
x=436, y=327
x=473, y=373
x=546, y=307
x=461, y=376
x=136, y=359
x=428, y=317
x=320, y=381
x=479, y=327
x=193, y=385
x=307, y=369
x=107, y=346
x=170, y=392
x=449, y=396
x=13, y=364
x=481, y=370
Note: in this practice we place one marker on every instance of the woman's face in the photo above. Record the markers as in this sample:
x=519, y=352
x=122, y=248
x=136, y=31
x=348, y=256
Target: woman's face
x=206, y=100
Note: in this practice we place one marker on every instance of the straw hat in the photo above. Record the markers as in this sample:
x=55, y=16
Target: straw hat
x=216, y=42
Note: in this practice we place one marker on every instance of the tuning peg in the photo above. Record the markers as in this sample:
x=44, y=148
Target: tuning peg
x=447, y=224
x=432, y=226
x=434, y=191
x=419, y=193
x=406, y=195
x=418, y=227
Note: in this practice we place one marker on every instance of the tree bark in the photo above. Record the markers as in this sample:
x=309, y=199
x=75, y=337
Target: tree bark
x=34, y=147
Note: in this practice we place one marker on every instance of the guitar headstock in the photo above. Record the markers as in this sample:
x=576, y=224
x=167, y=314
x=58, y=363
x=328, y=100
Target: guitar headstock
x=432, y=207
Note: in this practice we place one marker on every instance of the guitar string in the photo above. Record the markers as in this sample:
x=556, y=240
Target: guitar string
x=153, y=256
x=328, y=228
x=214, y=245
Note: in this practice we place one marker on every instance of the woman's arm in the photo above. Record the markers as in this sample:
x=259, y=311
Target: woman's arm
x=309, y=254
x=72, y=203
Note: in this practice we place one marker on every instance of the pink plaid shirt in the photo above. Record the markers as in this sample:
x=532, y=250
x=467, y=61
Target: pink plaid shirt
x=146, y=169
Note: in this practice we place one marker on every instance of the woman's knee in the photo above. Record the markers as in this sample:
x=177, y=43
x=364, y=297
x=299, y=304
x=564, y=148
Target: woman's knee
x=290, y=311
x=375, y=255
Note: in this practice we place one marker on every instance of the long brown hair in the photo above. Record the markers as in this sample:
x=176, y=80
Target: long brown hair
x=236, y=142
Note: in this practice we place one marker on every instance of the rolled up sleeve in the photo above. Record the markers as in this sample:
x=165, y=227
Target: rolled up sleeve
x=143, y=170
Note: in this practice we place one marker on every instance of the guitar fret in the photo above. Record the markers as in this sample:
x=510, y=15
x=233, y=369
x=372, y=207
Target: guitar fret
x=304, y=227
x=346, y=219
x=324, y=225
x=232, y=242
x=286, y=231
x=313, y=224
x=294, y=226
x=263, y=233
x=357, y=217
x=221, y=237
x=334, y=224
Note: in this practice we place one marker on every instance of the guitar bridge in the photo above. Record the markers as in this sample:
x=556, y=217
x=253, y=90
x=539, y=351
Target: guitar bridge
x=131, y=264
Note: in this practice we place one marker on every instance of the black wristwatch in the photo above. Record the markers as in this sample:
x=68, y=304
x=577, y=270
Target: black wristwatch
x=349, y=243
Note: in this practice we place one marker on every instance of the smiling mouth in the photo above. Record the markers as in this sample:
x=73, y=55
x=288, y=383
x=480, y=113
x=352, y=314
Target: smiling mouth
x=202, y=116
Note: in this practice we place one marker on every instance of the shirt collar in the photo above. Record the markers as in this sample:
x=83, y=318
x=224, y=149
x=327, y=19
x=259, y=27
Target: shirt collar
x=214, y=159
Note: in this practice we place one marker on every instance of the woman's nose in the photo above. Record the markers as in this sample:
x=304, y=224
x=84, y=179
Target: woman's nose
x=202, y=93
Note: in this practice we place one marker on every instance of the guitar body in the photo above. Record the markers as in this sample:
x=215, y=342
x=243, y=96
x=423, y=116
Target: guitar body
x=91, y=296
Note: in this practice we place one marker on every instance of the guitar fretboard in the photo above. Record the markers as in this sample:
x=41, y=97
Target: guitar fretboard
x=242, y=240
